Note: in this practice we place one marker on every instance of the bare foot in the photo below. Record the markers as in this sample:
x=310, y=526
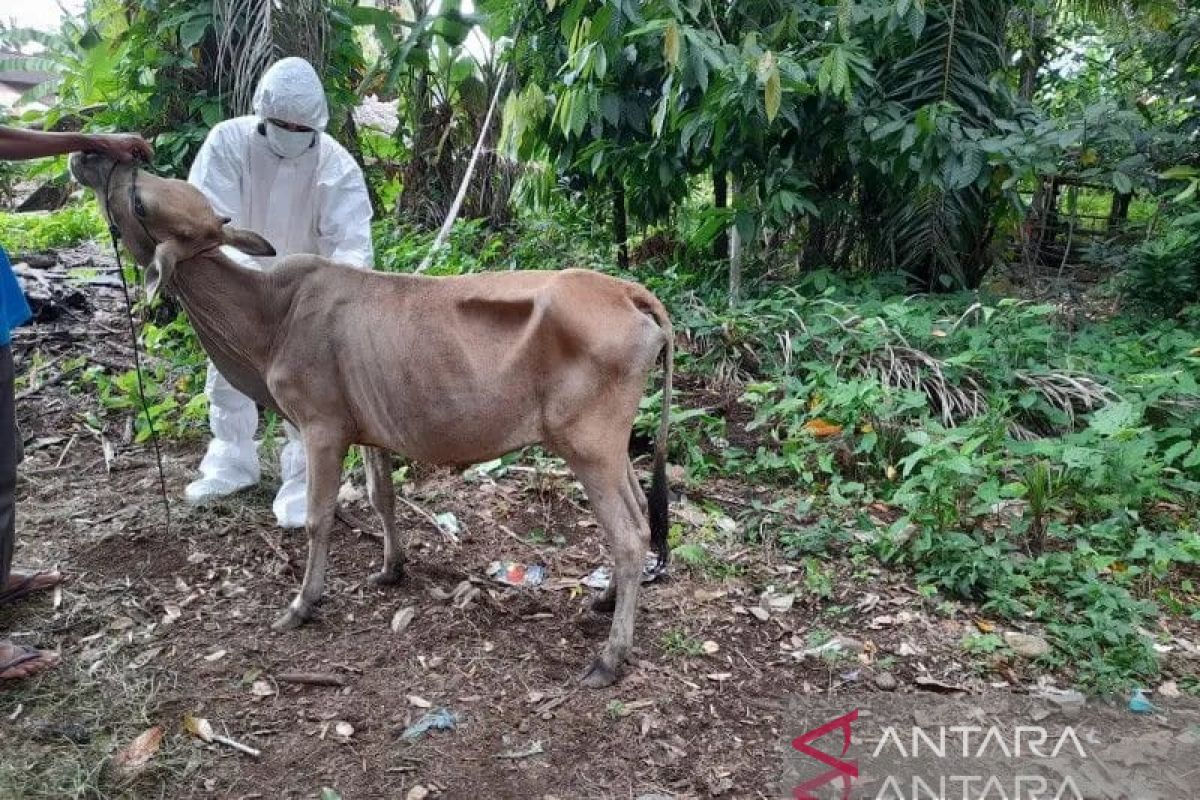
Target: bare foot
x=21, y=583
x=18, y=661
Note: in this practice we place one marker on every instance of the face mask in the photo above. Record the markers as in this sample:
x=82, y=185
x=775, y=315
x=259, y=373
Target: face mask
x=288, y=144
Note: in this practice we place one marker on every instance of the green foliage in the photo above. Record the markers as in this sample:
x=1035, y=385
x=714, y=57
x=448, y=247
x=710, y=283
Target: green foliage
x=1066, y=493
x=37, y=232
x=1163, y=274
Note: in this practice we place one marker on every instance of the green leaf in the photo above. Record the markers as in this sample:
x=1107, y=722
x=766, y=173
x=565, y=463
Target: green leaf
x=191, y=33
x=1122, y=183
x=845, y=17
x=660, y=114
x=1113, y=419
x=1176, y=450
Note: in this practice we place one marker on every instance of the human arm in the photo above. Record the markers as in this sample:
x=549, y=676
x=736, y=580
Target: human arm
x=19, y=144
x=217, y=172
x=344, y=219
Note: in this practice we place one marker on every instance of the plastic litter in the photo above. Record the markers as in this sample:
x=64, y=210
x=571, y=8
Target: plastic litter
x=441, y=720
x=601, y=577
x=448, y=524
x=1140, y=704
x=514, y=573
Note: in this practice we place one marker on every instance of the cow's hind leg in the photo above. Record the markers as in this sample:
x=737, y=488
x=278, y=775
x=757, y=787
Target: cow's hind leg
x=615, y=504
x=607, y=601
x=325, y=453
x=383, y=499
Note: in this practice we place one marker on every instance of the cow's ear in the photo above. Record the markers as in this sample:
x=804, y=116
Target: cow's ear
x=161, y=267
x=248, y=242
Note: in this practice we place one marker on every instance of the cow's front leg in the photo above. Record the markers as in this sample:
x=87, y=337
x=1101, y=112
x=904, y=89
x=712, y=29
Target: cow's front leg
x=325, y=452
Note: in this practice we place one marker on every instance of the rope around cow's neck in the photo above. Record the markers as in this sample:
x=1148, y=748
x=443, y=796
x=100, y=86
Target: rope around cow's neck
x=115, y=235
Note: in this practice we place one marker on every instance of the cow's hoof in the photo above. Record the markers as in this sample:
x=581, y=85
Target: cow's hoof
x=598, y=675
x=289, y=620
x=605, y=603
x=388, y=577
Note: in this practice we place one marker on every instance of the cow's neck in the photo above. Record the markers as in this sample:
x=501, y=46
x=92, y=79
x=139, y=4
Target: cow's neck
x=235, y=312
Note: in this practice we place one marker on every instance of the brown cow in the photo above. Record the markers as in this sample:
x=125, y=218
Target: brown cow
x=449, y=370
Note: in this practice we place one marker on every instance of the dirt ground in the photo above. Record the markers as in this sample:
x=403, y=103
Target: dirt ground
x=159, y=623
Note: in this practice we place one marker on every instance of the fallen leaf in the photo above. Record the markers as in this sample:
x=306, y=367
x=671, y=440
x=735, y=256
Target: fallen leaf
x=760, y=613
x=719, y=677
x=419, y=702
x=710, y=647
x=985, y=626
x=171, y=612
x=822, y=428
x=402, y=618
x=130, y=759
x=216, y=655
x=940, y=334
x=262, y=688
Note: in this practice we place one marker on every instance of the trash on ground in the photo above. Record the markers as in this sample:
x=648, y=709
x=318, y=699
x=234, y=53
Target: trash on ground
x=448, y=524
x=514, y=573
x=203, y=730
x=1140, y=704
x=441, y=720
x=601, y=577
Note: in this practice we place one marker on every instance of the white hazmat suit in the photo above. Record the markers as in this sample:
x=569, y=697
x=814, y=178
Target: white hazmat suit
x=303, y=192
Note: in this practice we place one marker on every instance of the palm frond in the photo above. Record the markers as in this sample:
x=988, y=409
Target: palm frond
x=936, y=225
x=252, y=34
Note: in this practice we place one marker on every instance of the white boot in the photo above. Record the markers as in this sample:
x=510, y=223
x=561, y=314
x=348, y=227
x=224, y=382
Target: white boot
x=291, y=503
x=231, y=462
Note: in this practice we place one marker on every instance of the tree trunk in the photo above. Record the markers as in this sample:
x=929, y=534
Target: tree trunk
x=620, y=224
x=720, y=180
x=1118, y=215
x=735, y=256
x=1034, y=57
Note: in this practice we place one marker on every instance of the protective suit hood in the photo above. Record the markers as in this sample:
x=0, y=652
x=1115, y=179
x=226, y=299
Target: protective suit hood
x=290, y=90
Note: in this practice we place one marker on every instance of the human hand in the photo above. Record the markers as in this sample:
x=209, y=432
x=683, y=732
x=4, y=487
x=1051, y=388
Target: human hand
x=121, y=146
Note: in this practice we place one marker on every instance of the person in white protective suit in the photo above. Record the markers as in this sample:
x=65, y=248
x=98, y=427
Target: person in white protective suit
x=278, y=174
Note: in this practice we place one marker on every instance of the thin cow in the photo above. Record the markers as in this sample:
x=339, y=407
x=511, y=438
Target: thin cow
x=447, y=370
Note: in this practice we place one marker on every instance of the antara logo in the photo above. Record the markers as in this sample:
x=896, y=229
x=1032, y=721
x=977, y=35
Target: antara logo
x=841, y=770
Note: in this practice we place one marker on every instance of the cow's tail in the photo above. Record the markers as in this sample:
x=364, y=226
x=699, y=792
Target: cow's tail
x=659, y=497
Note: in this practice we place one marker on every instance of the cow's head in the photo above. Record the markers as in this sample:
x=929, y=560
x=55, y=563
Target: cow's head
x=162, y=221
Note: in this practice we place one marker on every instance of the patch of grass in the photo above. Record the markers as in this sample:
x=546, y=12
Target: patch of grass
x=679, y=644
x=72, y=722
